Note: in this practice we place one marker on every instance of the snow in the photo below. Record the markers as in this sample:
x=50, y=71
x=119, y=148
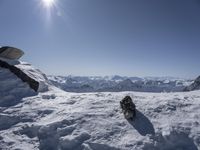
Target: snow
x=12, y=89
x=34, y=74
x=194, y=86
x=59, y=120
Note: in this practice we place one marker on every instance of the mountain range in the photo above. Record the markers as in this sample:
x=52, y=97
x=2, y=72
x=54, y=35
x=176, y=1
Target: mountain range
x=47, y=118
x=119, y=83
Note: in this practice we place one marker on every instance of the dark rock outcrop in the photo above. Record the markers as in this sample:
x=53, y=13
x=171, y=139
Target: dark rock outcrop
x=20, y=74
x=11, y=53
x=194, y=86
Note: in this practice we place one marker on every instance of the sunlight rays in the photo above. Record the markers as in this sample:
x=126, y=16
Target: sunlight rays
x=48, y=3
x=49, y=7
x=51, y=10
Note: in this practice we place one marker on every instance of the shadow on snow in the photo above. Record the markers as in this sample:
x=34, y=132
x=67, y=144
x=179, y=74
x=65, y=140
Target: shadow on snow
x=142, y=124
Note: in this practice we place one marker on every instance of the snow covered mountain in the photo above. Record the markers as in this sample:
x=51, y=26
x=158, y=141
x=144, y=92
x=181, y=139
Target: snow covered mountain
x=194, y=86
x=118, y=83
x=52, y=119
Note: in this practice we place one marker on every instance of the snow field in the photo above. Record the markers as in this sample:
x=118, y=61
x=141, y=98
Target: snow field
x=56, y=120
x=93, y=121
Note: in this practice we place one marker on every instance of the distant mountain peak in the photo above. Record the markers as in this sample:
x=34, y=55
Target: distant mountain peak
x=194, y=86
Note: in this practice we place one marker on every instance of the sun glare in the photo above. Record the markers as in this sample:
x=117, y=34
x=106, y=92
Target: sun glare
x=48, y=3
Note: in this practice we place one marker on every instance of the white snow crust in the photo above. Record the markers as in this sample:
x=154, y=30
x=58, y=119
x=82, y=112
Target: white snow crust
x=94, y=121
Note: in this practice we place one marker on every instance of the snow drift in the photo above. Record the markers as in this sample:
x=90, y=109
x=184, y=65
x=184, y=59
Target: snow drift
x=18, y=80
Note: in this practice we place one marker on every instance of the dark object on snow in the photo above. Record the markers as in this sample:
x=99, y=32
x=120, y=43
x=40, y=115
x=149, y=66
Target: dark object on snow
x=10, y=53
x=20, y=74
x=128, y=107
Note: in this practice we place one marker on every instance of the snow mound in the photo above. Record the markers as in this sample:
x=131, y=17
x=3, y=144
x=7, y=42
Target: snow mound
x=13, y=89
x=34, y=74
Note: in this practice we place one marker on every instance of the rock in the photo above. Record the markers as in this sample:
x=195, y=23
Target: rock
x=20, y=74
x=128, y=107
x=10, y=53
x=194, y=86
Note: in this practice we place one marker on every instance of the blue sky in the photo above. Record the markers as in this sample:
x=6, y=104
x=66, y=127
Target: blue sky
x=106, y=37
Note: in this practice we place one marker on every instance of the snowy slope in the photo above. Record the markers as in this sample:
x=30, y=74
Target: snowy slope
x=35, y=74
x=57, y=120
x=13, y=89
x=194, y=86
x=93, y=121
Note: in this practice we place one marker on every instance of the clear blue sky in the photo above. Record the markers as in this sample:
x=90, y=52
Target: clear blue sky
x=106, y=37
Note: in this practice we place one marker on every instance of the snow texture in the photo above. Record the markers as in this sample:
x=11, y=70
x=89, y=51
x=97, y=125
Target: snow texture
x=94, y=121
x=13, y=89
x=58, y=120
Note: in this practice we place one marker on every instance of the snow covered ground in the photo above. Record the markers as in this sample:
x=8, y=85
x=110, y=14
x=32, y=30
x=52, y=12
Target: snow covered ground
x=58, y=120
x=93, y=121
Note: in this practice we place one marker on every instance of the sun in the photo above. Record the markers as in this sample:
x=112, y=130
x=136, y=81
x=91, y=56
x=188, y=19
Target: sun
x=48, y=3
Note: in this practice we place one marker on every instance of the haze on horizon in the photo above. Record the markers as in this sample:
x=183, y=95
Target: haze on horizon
x=105, y=37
